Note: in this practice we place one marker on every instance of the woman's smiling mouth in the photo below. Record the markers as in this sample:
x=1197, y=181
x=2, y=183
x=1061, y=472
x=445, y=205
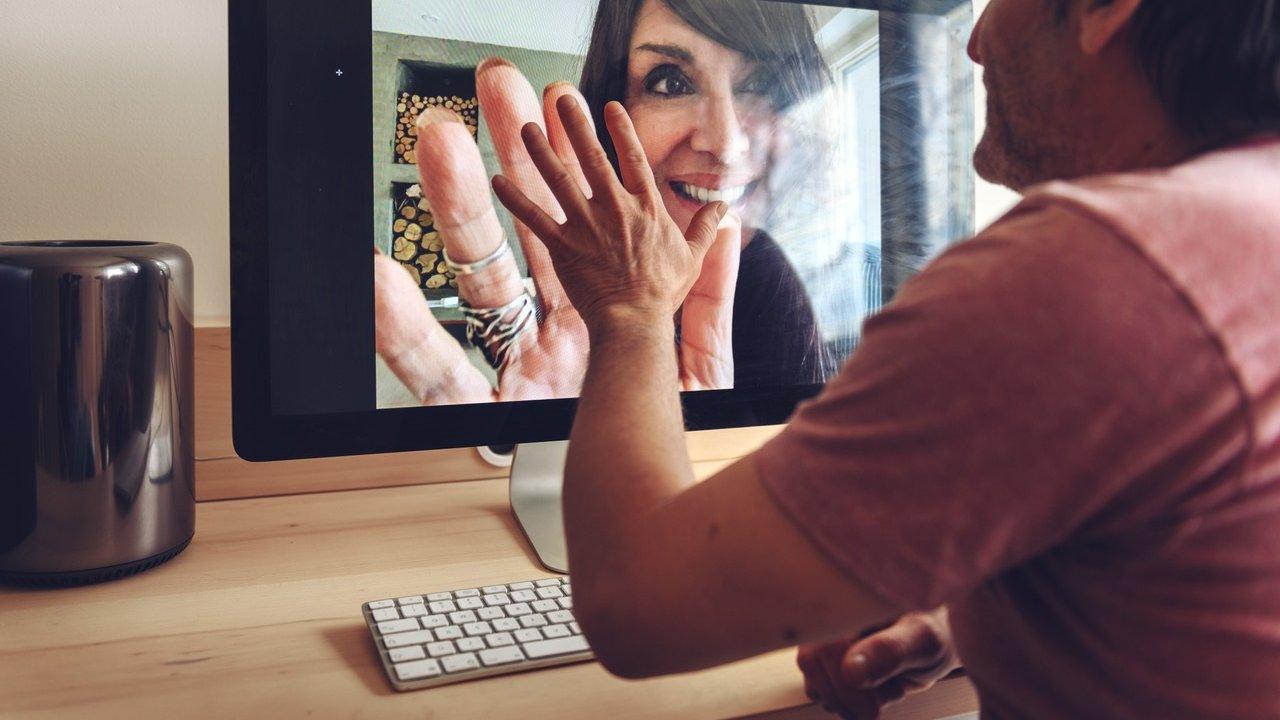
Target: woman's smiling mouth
x=704, y=195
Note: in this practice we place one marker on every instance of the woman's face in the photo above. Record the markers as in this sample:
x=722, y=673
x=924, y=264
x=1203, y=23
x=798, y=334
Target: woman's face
x=702, y=113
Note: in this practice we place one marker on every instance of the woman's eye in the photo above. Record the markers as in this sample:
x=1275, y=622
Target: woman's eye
x=668, y=80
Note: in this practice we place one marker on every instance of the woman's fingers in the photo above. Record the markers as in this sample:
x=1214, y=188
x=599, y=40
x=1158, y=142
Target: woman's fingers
x=508, y=102
x=454, y=182
x=706, y=316
x=414, y=345
x=633, y=164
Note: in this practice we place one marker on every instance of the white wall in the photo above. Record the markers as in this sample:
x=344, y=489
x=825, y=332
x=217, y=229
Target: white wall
x=113, y=124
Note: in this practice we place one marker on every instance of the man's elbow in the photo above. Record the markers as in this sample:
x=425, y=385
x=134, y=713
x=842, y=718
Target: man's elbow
x=624, y=642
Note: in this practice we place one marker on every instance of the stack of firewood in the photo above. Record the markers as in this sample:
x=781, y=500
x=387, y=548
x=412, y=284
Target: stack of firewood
x=410, y=105
x=417, y=244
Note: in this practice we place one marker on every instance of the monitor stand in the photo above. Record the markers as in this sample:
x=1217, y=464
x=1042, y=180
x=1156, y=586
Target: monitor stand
x=537, y=478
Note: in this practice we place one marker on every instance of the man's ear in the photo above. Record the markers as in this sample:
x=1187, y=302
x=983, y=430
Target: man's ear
x=1102, y=20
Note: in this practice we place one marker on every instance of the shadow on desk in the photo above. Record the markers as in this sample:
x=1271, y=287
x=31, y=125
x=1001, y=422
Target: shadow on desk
x=356, y=649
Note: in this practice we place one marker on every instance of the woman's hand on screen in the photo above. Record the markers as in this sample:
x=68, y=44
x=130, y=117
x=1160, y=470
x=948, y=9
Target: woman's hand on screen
x=551, y=356
x=552, y=353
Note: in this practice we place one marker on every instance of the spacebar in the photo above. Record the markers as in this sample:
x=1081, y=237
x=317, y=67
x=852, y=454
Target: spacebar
x=559, y=646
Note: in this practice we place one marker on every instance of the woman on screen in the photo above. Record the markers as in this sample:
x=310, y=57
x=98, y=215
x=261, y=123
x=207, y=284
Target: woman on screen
x=707, y=84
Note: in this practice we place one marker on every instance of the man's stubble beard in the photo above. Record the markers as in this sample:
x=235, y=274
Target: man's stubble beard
x=1025, y=140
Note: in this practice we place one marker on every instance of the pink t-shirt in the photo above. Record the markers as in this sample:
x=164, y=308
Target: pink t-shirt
x=1068, y=430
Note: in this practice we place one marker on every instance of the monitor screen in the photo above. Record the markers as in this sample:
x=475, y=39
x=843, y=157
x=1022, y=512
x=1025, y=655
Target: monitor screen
x=383, y=299
x=771, y=107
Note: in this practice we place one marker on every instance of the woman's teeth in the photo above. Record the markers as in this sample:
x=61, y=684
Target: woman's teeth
x=729, y=195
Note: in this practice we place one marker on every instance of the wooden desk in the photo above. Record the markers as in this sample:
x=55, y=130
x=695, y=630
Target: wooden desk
x=260, y=618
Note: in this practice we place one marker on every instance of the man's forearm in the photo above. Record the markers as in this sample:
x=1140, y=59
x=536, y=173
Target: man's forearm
x=627, y=452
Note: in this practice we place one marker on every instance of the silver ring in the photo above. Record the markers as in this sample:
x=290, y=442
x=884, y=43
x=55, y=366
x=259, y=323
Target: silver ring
x=472, y=268
x=496, y=331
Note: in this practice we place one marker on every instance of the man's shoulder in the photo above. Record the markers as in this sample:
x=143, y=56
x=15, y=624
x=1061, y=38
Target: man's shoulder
x=1225, y=191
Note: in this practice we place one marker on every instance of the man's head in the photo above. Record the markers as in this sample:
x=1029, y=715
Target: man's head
x=1078, y=87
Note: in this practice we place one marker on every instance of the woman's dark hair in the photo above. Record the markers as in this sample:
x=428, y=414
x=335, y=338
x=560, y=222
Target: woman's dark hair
x=777, y=35
x=1214, y=65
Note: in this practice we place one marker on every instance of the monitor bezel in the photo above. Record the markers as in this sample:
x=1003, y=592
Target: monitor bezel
x=259, y=434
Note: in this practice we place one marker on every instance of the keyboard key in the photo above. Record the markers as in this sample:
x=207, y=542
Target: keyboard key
x=529, y=635
x=545, y=605
x=470, y=644
x=566, y=589
x=413, y=652
x=471, y=592
x=443, y=606
x=549, y=582
x=523, y=596
x=417, y=670
x=477, y=628
x=413, y=610
x=396, y=626
x=497, y=599
x=501, y=656
x=558, y=646
x=560, y=616
x=521, y=586
x=573, y=627
x=505, y=624
x=461, y=663
x=378, y=604
x=532, y=621
x=388, y=613
x=462, y=617
x=549, y=593
x=448, y=632
x=499, y=639
x=410, y=600
x=437, y=649
x=490, y=613
x=490, y=589
x=435, y=597
x=566, y=603
x=416, y=637
x=470, y=603
x=518, y=609
x=433, y=621
x=556, y=631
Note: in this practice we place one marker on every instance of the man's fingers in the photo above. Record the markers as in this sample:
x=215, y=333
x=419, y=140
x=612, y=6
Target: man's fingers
x=508, y=102
x=454, y=182
x=563, y=186
x=909, y=644
x=582, y=136
x=525, y=210
x=418, y=350
x=633, y=164
x=556, y=132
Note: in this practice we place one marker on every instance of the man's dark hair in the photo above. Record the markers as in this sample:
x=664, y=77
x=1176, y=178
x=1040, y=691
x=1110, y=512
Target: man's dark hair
x=1214, y=64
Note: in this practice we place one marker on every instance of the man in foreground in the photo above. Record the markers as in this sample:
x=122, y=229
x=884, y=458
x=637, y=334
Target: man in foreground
x=1057, y=452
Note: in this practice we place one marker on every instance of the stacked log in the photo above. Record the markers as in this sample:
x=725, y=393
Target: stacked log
x=410, y=105
x=417, y=244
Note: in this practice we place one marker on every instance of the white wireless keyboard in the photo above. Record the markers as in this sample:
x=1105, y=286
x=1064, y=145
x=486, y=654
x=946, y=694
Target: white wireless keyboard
x=447, y=637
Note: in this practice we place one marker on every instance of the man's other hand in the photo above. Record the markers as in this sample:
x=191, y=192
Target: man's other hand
x=856, y=677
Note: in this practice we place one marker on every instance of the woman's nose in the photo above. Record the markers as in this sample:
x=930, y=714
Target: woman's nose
x=720, y=130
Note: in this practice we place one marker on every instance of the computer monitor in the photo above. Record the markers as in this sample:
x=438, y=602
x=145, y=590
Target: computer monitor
x=840, y=134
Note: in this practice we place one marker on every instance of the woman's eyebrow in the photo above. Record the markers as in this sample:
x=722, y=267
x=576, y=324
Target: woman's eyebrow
x=672, y=51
